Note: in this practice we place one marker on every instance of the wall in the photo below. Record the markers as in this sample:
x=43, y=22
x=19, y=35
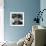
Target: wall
x=29, y=7
x=43, y=6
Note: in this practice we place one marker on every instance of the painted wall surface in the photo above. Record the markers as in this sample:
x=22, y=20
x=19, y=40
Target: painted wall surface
x=29, y=7
x=43, y=6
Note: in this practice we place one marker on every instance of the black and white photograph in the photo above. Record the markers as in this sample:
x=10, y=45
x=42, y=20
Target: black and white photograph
x=17, y=18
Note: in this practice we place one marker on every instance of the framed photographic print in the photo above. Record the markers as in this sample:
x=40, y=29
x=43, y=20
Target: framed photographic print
x=16, y=18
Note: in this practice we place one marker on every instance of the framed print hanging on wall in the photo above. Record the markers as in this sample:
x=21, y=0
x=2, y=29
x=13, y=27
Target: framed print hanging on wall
x=17, y=18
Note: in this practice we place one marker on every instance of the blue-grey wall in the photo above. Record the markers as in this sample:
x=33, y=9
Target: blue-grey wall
x=29, y=7
x=43, y=6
